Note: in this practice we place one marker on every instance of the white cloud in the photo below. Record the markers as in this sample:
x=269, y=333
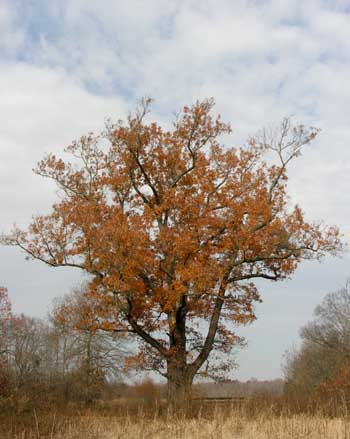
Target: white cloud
x=11, y=37
x=41, y=110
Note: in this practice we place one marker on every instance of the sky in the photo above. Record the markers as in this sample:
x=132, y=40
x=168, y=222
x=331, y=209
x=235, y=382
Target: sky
x=67, y=65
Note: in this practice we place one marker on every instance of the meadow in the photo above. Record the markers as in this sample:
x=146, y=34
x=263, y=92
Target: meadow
x=202, y=423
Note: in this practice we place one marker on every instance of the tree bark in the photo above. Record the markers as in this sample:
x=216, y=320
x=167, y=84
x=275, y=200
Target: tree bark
x=179, y=374
x=179, y=386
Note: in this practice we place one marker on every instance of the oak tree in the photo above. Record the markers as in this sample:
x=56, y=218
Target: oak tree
x=174, y=228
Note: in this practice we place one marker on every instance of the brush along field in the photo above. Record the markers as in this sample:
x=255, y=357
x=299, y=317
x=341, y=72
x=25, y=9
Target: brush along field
x=233, y=425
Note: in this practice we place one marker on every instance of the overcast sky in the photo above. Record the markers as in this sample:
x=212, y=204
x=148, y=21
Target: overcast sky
x=67, y=65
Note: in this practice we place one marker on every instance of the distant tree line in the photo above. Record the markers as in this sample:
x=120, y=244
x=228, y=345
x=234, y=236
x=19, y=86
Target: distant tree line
x=66, y=357
x=320, y=367
x=235, y=388
x=55, y=357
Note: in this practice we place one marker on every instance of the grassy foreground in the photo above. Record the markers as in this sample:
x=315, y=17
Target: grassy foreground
x=231, y=425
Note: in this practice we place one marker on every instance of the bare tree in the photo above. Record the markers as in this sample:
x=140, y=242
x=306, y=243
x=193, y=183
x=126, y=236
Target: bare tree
x=93, y=355
x=28, y=346
x=331, y=327
x=325, y=347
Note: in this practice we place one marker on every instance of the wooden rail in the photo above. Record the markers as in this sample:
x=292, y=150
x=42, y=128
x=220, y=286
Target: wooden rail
x=220, y=398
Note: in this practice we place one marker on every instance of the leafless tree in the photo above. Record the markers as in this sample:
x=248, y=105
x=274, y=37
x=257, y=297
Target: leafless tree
x=325, y=347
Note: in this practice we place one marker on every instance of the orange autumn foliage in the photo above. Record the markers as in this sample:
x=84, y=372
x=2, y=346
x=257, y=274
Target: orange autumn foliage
x=174, y=228
x=336, y=387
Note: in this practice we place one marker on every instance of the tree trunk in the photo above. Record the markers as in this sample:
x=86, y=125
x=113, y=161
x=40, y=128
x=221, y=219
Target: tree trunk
x=179, y=374
x=179, y=384
x=88, y=371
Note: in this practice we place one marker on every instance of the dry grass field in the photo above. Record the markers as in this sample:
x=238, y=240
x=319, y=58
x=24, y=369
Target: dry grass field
x=233, y=424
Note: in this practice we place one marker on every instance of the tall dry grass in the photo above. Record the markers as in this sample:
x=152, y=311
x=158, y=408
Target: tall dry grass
x=213, y=423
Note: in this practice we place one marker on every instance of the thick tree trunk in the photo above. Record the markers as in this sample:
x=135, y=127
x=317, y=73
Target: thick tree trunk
x=180, y=381
x=179, y=375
